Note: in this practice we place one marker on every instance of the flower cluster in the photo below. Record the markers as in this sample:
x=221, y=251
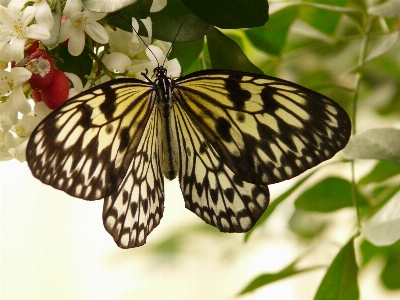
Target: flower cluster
x=33, y=78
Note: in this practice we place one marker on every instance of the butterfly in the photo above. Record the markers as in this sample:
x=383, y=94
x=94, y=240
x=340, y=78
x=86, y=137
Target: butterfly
x=226, y=135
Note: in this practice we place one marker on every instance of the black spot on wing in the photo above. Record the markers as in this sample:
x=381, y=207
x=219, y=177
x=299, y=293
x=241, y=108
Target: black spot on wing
x=125, y=139
x=86, y=118
x=108, y=107
x=223, y=128
x=199, y=189
x=238, y=95
x=229, y=194
x=109, y=128
x=203, y=148
x=270, y=105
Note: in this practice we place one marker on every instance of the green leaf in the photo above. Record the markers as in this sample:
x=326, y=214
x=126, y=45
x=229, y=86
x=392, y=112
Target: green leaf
x=177, y=23
x=382, y=45
x=382, y=171
x=265, y=279
x=230, y=14
x=388, y=9
x=106, y=5
x=383, y=228
x=226, y=54
x=340, y=280
x=377, y=143
x=187, y=53
x=390, y=273
x=307, y=225
x=328, y=195
x=271, y=38
x=271, y=208
x=326, y=19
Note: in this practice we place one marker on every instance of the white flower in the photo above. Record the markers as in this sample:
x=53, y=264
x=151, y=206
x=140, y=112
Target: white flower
x=41, y=110
x=77, y=85
x=77, y=24
x=117, y=61
x=16, y=28
x=11, y=87
x=157, y=54
x=7, y=141
x=126, y=42
x=43, y=14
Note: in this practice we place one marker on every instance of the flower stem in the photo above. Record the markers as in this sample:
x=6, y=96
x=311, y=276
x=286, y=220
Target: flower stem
x=357, y=84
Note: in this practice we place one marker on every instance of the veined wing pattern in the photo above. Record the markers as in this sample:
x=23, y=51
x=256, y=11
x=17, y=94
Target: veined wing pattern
x=231, y=135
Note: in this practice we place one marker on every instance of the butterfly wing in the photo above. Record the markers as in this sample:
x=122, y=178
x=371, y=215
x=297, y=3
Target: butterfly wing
x=86, y=146
x=264, y=129
x=136, y=208
x=238, y=132
x=103, y=144
x=210, y=189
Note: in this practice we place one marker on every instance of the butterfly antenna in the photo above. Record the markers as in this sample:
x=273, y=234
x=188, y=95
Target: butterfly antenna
x=179, y=30
x=137, y=33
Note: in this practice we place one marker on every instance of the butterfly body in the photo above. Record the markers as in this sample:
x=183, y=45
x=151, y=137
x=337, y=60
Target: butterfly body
x=225, y=134
x=163, y=87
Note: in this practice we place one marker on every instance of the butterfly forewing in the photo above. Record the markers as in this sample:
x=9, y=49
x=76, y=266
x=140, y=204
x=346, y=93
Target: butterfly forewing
x=265, y=129
x=86, y=146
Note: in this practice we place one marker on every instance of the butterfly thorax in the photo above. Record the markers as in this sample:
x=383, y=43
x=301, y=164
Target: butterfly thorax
x=163, y=89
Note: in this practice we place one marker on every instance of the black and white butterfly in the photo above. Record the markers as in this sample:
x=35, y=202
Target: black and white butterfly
x=227, y=135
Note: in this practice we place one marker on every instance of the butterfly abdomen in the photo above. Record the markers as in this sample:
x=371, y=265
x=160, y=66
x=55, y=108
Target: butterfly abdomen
x=167, y=138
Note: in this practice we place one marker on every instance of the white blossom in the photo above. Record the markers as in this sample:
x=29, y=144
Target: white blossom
x=11, y=88
x=77, y=86
x=77, y=24
x=16, y=29
x=43, y=14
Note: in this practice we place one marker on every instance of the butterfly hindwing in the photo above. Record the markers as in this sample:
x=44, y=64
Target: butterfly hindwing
x=136, y=208
x=264, y=129
x=210, y=189
x=85, y=147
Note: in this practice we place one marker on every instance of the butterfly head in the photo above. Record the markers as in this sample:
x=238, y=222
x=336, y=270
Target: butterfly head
x=160, y=72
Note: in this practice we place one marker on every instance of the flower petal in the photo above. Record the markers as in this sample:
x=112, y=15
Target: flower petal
x=20, y=75
x=174, y=68
x=117, y=61
x=7, y=17
x=19, y=152
x=44, y=15
x=72, y=7
x=19, y=101
x=155, y=55
x=27, y=15
x=148, y=24
x=158, y=5
x=8, y=115
x=76, y=81
x=65, y=31
x=97, y=32
x=17, y=49
x=38, y=32
x=92, y=16
x=41, y=110
x=76, y=42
